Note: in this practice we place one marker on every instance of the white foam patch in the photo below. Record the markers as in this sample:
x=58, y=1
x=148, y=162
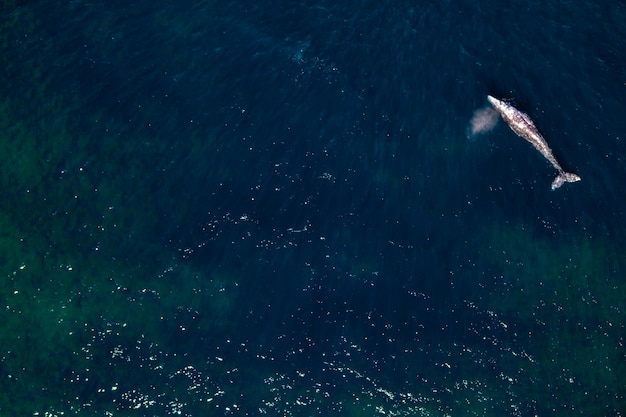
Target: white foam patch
x=483, y=120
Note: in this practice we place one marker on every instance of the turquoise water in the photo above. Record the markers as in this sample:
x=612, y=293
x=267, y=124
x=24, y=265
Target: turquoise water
x=250, y=209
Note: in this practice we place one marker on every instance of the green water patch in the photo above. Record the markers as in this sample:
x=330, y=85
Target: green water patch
x=83, y=252
x=80, y=253
x=579, y=279
x=560, y=298
x=80, y=239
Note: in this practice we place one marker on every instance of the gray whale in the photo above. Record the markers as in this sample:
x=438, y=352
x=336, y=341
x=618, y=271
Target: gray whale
x=521, y=124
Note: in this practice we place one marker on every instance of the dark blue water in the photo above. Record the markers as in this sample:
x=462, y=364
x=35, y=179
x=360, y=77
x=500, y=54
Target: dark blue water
x=249, y=208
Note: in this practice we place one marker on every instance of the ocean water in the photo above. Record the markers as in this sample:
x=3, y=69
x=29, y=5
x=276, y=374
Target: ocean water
x=246, y=208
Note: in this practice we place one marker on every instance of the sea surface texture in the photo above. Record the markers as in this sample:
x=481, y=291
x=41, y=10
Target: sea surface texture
x=308, y=208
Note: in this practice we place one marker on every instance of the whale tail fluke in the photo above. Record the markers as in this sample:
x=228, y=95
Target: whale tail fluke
x=564, y=177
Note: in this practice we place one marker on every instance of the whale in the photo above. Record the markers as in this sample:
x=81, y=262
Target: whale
x=521, y=124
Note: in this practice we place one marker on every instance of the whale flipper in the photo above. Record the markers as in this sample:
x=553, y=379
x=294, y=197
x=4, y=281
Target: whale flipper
x=564, y=177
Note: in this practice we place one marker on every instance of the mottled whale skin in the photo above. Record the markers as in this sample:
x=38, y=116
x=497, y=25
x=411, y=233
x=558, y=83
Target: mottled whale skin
x=521, y=124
